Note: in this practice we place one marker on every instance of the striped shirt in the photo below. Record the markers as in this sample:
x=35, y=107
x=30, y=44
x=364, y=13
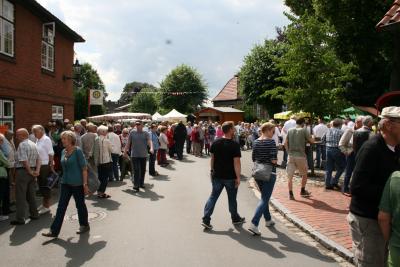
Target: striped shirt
x=264, y=151
x=26, y=151
x=332, y=137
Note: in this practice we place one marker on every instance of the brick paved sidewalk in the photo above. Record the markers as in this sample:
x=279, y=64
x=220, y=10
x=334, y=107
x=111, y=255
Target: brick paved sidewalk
x=325, y=211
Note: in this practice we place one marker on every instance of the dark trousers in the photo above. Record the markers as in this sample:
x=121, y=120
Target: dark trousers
x=285, y=158
x=321, y=155
x=65, y=195
x=4, y=195
x=350, y=164
x=163, y=156
x=104, y=171
x=139, y=171
x=115, y=171
x=179, y=148
x=188, y=145
x=152, y=163
x=334, y=158
x=126, y=165
x=310, y=158
x=171, y=151
x=217, y=186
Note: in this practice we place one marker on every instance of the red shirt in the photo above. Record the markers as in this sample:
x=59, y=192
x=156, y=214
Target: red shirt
x=170, y=136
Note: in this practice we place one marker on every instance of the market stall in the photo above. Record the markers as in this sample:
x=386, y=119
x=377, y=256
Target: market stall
x=175, y=116
x=120, y=116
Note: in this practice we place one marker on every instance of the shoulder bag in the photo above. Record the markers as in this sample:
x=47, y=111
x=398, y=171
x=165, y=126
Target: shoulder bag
x=262, y=171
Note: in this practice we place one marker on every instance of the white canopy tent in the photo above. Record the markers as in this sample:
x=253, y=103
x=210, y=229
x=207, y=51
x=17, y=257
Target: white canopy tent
x=120, y=116
x=157, y=117
x=175, y=116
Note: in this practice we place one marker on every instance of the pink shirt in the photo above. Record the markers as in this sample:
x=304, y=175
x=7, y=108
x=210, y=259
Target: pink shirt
x=219, y=133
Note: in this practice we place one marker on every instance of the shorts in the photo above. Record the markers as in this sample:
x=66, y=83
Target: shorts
x=368, y=243
x=296, y=163
x=42, y=181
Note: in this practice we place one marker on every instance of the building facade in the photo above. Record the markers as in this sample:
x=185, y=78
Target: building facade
x=36, y=58
x=220, y=114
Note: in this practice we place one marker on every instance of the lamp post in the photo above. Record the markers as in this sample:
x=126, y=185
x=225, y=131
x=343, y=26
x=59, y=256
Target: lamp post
x=77, y=71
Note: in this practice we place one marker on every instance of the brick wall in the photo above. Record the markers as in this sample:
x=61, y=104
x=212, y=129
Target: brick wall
x=22, y=79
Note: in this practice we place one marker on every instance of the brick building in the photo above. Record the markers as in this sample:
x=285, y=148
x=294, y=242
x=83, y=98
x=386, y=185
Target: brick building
x=36, y=57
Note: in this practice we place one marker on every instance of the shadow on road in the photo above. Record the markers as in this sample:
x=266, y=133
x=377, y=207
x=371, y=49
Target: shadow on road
x=24, y=233
x=78, y=252
x=106, y=203
x=161, y=178
x=318, y=204
x=263, y=243
x=116, y=184
x=148, y=193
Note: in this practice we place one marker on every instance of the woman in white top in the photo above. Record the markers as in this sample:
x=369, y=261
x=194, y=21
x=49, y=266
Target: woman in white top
x=102, y=155
x=163, y=146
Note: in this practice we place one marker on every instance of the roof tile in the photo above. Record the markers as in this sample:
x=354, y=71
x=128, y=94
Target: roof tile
x=391, y=17
x=229, y=92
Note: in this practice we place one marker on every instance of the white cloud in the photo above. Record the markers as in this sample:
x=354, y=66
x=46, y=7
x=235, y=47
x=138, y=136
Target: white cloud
x=126, y=39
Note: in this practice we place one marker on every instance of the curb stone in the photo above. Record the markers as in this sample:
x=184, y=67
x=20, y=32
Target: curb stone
x=323, y=240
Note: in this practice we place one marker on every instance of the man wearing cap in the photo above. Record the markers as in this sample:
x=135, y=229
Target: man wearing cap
x=376, y=160
x=139, y=141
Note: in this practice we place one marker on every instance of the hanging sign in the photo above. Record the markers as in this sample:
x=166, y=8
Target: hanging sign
x=96, y=97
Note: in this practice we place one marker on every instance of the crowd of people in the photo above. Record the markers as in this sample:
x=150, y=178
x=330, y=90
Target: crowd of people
x=87, y=157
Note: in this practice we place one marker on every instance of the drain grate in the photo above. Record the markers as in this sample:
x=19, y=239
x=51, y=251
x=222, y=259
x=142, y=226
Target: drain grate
x=94, y=216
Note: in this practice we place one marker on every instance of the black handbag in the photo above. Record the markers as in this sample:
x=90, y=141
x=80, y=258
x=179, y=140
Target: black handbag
x=262, y=171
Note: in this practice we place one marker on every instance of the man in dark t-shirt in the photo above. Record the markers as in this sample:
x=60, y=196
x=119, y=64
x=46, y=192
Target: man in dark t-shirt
x=225, y=173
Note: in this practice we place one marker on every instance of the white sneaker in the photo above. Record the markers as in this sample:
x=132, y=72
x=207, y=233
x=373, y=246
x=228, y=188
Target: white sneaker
x=254, y=230
x=3, y=218
x=44, y=211
x=269, y=223
x=40, y=207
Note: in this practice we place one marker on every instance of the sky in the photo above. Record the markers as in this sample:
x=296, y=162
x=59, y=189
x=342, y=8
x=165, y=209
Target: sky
x=143, y=40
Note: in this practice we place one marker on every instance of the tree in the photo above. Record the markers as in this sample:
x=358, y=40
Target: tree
x=145, y=101
x=259, y=73
x=315, y=78
x=357, y=41
x=130, y=89
x=88, y=79
x=182, y=89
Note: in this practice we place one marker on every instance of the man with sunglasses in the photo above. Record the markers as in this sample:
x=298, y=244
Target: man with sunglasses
x=376, y=160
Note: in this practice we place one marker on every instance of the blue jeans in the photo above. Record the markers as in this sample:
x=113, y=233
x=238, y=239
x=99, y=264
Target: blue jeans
x=266, y=188
x=285, y=158
x=351, y=162
x=115, y=170
x=139, y=171
x=65, y=195
x=310, y=158
x=217, y=187
x=321, y=154
x=334, y=157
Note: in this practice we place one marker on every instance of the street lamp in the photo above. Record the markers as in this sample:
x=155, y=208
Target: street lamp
x=77, y=71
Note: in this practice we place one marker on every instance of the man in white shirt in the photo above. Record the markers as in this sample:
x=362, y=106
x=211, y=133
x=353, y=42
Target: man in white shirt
x=46, y=154
x=319, y=131
x=115, y=152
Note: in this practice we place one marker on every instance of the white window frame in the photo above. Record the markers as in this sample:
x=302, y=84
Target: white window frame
x=3, y=21
x=7, y=119
x=59, y=114
x=48, y=50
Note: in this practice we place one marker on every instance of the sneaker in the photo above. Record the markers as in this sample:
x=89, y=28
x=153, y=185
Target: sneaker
x=44, y=210
x=207, y=225
x=40, y=207
x=49, y=234
x=83, y=229
x=269, y=223
x=305, y=193
x=291, y=197
x=329, y=187
x=239, y=221
x=3, y=218
x=254, y=230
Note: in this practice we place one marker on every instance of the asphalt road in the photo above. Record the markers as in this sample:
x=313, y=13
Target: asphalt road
x=160, y=227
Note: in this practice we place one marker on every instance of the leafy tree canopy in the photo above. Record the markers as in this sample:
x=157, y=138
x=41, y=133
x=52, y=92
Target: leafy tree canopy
x=144, y=101
x=182, y=89
x=314, y=77
x=130, y=89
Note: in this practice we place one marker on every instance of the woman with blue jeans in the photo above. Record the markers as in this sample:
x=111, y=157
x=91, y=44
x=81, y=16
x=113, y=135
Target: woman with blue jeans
x=264, y=152
x=74, y=182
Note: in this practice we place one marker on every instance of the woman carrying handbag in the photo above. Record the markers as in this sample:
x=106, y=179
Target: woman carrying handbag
x=74, y=182
x=264, y=156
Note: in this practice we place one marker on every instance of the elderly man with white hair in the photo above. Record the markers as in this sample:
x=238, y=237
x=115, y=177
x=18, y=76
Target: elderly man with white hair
x=46, y=154
x=377, y=159
x=27, y=167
